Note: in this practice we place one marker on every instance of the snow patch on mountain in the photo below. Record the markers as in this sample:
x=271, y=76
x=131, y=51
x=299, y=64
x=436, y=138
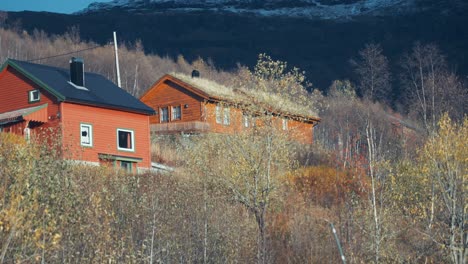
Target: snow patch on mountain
x=324, y=9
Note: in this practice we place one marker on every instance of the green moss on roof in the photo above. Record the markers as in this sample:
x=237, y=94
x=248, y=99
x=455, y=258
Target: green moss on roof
x=241, y=95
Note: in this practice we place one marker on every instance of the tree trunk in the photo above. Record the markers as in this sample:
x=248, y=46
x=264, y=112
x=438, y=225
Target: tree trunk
x=371, y=149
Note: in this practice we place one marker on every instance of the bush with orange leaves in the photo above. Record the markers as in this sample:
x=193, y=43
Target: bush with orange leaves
x=327, y=186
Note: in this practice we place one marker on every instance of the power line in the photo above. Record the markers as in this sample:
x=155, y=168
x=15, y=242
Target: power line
x=64, y=54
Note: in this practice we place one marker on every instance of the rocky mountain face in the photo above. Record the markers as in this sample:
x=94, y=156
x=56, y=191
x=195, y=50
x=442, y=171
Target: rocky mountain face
x=321, y=46
x=318, y=9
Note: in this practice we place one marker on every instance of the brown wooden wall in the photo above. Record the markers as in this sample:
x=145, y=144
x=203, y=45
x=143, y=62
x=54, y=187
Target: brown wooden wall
x=297, y=130
x=301, y=131
x=168, y=94
x=235, y=125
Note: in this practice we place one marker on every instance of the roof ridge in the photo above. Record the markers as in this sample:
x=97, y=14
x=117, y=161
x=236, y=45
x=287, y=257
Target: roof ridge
x=50, y=66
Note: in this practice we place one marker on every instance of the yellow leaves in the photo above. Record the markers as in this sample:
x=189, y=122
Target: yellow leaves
x=37, y=236
x=56, y=239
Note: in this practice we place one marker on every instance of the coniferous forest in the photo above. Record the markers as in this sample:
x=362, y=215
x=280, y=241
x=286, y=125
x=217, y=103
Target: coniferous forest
x=388, y=175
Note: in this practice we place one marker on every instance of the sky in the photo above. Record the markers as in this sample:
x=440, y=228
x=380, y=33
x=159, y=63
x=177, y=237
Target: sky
x=57, y=6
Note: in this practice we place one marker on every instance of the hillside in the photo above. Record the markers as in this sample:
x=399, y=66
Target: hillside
x=321, y=47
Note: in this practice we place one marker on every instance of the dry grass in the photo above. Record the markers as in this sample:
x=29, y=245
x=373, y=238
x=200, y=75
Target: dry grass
x=269, y=101
x=164, y=153
x=212, y=88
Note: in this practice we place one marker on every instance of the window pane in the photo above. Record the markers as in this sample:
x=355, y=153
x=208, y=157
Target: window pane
x=285, y=124
x=164, y=114
x=126, y=165
x=227, y=116
x=176, y=113
x=218, y=114
x=246, y=120
x=125, y=139
x=86, y=135
x=34, y=96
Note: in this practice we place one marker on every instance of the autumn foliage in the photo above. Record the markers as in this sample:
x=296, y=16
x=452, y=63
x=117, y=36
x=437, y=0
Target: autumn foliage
x=394, y=192
x=328, y=187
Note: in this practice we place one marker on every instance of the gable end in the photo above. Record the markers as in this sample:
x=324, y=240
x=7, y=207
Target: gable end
x=33, y=79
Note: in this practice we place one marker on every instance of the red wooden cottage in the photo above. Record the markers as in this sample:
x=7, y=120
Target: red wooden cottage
x=190, y=104
x=94, y=121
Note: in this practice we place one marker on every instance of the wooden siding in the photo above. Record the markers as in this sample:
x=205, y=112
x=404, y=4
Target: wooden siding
x=235, y=115
x=187, y=127
x=301, y=131
x=15, y=128
x=168, y=94
x=14, y=93
x=105, y=123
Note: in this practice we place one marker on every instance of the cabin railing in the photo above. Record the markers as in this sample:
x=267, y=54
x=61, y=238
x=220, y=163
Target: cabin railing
x=185, y=127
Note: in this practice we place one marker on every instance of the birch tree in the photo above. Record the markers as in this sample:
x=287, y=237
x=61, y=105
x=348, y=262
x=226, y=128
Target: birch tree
x=431, y=88
x=248, y=166
x=445, y=159
x=373, y=73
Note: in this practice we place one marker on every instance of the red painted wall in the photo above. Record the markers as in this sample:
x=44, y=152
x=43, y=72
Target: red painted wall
x=105, y=123
x=14, y=90
x=14, y=95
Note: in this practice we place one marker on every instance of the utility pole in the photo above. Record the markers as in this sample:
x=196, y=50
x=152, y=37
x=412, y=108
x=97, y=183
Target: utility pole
x=343, y=259
x=117, y=60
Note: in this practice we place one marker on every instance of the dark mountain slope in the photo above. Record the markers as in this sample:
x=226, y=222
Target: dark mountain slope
x=321, y=47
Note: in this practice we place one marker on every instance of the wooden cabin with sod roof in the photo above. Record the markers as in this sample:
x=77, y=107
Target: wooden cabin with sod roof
x=92, y=119
x=190, y=104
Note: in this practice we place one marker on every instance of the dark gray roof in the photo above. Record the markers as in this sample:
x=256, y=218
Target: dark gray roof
x=100, y=91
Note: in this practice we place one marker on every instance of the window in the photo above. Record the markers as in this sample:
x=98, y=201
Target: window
x=126, y=165
x=227, y=116
x=246, y=120
x=285, y=124
x=125, y=140
x=34, y=96
x=176, y=113
x=164, y=115
x=86, y=135
x=218, y=114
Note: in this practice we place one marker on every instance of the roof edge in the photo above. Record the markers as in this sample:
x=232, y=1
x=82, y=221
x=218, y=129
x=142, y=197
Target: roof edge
x=34, y=79
x=177, y=81
x=112, y=107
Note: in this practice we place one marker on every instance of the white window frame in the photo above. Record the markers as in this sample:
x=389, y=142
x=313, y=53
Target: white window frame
x=173, y=112
x=32, y=98
x=218, y=114
x=226, y=116
x=90, y=131
x=246, y=120
x=285, y=123
x=132, y=135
